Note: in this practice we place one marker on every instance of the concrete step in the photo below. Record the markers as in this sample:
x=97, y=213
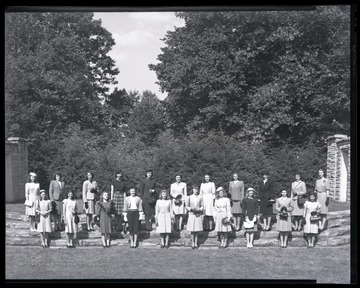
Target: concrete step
x=338, y=214
x=337, y=222
x=337, y=231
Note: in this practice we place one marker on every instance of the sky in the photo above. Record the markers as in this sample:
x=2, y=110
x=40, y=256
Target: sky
x=137, y=44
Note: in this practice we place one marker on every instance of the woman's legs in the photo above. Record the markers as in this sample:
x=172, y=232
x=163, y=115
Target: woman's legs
x=296, y=222
x=196, y=239
x=167, y=239
x=32, y=223
x=107, y=239
x=322, y=221
x=308, y=238
x=135, y=239
x=42, y=236
x=268, y=223
x=192, y=239
x=225, y=239
x=247, y=234
x=281, y=235
x=148, y=222
x=103, y=239
x=300, y=223
x=180, y=221
x=89, y=221
x=68, y=239
x=286, y=236
x=251, y=239
x=162, y=239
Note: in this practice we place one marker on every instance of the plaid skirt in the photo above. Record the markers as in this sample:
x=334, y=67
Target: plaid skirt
x=118, y=202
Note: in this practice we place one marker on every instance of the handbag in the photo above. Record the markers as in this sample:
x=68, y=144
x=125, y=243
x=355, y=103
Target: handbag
x=249, y=224
x=28, y=203
x=301, y=199
x=76, y=219
x=284, y=215
x=314, y=218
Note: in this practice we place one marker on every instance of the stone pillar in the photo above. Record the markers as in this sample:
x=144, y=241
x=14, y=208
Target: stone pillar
x=16, y=165
x=333, y=164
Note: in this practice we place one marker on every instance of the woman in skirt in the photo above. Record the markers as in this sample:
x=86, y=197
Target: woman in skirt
x=207, y=191
x=69, y=212
x=163, y=217
x=131, y=212
x=89, y=192
x=222, y=209
x=322, y=190
x=236, y=190
x=103, y=209
x=32, y=190
x=250, y=208
x=311, y=228
x=298, y=189
x=44, y=207
x=118, y=194
x=195, y=205
x=178, y=190
x=284, y=207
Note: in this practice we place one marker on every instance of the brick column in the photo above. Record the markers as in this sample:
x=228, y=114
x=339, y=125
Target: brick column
x=332, y=165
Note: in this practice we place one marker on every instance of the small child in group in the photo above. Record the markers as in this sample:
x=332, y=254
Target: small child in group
x=312, y=209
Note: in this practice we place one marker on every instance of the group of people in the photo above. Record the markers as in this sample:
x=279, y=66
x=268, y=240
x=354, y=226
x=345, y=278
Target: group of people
x=207, y=208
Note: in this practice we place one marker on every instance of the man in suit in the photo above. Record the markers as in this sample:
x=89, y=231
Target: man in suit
x=266, y=197
x=56, y=194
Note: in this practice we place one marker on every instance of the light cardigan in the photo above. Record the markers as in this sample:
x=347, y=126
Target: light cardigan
x=127, y=203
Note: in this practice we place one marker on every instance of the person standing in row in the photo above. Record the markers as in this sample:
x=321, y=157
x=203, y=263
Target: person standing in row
x=222, y=209
x=103, y=209
x=298, y=192
x=163, y=215
x=43, y=207
x=283, y=225
x=207, y=191
x=267, y=199
x=132, y=208
x=70, y=209
x=250, y=206
x=32, y=190
x=178, y=192
x=236, y=190
x=322, y=189
x=118, y=194
x=195, y=206
x=311, y=228
x=89, y=192
x=148, y=195
x=56, y=193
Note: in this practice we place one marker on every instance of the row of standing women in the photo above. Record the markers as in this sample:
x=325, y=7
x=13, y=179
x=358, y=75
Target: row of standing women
x=150, y=206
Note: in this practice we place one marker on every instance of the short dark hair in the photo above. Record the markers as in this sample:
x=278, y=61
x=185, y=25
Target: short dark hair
x=118, y=172
x=57, y=173
x=92, y=174
x=178, y=175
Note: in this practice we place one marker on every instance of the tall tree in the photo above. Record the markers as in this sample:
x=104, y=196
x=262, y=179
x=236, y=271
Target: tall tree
x=57, y=71
x=147, y=119
x=258, y=75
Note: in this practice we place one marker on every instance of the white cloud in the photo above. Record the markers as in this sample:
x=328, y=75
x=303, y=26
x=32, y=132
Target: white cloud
x=134, y=37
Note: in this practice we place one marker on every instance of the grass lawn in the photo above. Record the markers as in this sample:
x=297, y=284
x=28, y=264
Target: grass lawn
x=326, y=265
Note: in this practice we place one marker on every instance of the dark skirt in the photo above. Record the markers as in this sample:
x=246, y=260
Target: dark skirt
x=149, y=208
x=236, y=207
x=118, y=202
x=105, y=223
x=133, y=221
x=265, y=207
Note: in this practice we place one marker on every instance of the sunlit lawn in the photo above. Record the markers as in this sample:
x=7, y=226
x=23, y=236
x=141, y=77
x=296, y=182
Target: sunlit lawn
x=326, y=265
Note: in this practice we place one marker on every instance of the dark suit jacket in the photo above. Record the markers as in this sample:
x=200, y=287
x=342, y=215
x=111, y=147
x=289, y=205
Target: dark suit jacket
x=56, y=193
x=266, y=191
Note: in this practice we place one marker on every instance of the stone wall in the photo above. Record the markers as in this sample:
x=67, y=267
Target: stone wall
x=338, y=167
x=16, y=169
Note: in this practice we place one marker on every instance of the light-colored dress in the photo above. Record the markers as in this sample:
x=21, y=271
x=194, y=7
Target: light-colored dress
x=163, y=212
x=311, y=227
x=207, y=191
x=70, y=207
x=236, y=190
x=321, y=185
x=175, y=190
x=45, y=222
x=222, y=209
x=194, y=223
x=284, y=225
x=88, y=196
x=32, y=190
x=300, y=188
